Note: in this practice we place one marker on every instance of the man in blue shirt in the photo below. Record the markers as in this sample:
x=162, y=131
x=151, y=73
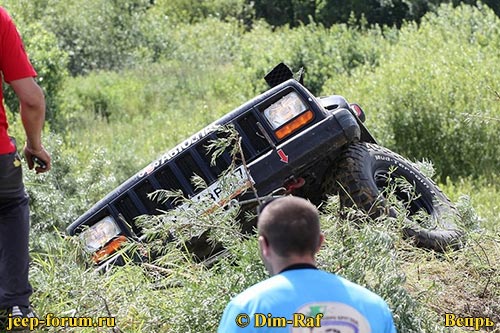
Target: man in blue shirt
x=299, y=297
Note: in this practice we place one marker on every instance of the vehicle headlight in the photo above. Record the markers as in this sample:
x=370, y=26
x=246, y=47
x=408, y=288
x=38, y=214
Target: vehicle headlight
x=288, y=114
x=287, y=108
x=100, y=233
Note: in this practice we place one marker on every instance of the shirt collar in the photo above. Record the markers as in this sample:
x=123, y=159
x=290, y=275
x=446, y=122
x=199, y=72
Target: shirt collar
x=298, y=266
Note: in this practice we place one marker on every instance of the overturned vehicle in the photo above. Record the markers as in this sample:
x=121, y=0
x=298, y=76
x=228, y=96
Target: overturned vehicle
x=290, y=140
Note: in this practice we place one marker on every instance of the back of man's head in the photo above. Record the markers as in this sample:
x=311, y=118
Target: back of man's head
x=291, y=226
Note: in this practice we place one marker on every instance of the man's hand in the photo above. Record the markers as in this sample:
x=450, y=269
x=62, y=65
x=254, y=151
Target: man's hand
x=42, y=155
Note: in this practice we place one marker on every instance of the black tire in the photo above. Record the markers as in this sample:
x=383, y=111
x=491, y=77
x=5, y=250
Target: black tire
x=364, y=172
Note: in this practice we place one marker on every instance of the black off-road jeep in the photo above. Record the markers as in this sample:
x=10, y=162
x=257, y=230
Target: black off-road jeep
x=310, y=146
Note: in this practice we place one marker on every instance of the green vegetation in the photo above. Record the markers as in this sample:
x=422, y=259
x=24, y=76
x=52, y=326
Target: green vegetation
x=435, y=92
x=126, y=80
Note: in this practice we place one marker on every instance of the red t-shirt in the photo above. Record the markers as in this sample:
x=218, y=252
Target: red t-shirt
x=14, y=65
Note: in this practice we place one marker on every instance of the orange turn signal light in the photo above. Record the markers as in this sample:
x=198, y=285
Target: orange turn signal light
x=109, y=249
x=294, y=125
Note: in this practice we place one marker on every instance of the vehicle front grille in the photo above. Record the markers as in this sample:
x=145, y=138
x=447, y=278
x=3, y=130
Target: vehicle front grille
x=253, y=141
x=177, y=173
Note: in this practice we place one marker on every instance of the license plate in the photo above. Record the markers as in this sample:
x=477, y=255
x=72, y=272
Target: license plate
x=225, y=189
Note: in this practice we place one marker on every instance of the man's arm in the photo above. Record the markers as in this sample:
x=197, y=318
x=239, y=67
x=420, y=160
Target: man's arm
x=32, y=102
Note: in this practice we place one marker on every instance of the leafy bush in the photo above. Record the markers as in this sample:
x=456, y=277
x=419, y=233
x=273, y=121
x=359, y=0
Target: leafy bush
x=324, y=53
x=107, y=96
x=367, y=252
x=61, y=195
x=48, y=60
x=442, y=104
x=97, y=34
x=192, y=11
x=328, y=53
x=328, y=13
x=178, y=295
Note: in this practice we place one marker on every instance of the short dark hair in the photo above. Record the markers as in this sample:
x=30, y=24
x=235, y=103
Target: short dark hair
x=290, y=225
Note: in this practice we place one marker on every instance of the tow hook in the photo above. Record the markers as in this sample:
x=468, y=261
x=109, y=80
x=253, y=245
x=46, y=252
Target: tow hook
x=293, y=184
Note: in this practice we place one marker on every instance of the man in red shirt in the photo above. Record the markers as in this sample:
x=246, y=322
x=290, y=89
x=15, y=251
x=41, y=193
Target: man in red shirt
x=18, y=72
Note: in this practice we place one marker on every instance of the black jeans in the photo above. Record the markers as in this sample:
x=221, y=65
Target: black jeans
x=14, y=234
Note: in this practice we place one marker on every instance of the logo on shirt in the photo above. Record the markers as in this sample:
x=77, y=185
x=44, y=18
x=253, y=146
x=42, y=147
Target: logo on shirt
x=337, y=318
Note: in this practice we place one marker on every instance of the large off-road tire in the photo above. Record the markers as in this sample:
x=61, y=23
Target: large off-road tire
x=365, y=172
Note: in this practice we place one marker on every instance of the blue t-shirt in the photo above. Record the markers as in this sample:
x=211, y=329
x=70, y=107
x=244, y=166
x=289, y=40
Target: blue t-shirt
x=307, y=300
